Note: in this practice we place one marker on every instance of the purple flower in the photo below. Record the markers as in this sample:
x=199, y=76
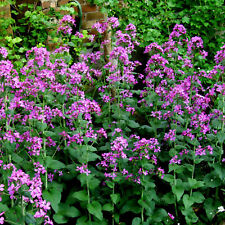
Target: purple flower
x=100, y=27
x=67, y=19
x=220, y=55
x=2, y=219
x=83, y=169
x=175, y=160
x=160, y=172
x=188, y=133
x=50, y=177
x=171, y=216
x=178, y=30
x=153, y=47
x=102, y=132
x=171, y=135
x=114, y=21
x=3, y=52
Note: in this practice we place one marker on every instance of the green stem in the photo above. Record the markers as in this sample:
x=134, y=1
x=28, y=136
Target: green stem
x=175, y=203
x=5, y=103
x=11, y=222
x=109, y=108
x=193, y=170
x=22, y=209
x=113, y=216
x=186, y=125
x=191, y=89
x=88, y=190
x=64, y=122
x=46, y=173
x=221, y=149
x=89, y=199
x=222, y=129
x=12, y=201
x=142, y=208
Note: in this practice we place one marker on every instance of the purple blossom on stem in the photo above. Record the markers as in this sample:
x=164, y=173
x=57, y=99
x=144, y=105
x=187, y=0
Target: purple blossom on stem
x=3, y=52
x=83, y=169
x=178, y=30
x=171, y=216
x=2, y=219
x=170, y=136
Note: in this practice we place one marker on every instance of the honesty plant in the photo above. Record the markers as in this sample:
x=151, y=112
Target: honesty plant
x=91, y=140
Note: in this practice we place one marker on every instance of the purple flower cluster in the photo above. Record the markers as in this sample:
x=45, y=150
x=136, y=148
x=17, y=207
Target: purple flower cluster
x=19, y=180
x=143, y=149
x=170, y=136
x=66, y=25
x=178, y=31
x=102, y=27
x=83, y=169
x=3, y=52
x=2, y=219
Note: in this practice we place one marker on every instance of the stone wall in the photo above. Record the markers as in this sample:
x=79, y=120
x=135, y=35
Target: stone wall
x=5, y=13
x=91, y=13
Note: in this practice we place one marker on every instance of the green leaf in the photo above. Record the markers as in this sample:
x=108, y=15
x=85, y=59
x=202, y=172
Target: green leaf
x=16, y=40
x=117, y=218
x=69, y=211
x=115, y=198
x=90, y=156
x=219, y=171
x=130, y=206
x=178, y=190
x=49, y=134
x=185, y=19
x=27, y=13
x=59, y=219
x=14, y=215
x=3, y=207
x=188, y=201
x=74, y=153
x=168, y=198
x=136, y=221
x=107, y=207
x=216, y=124
x=95, y=209
x=211, y=180
x=54, y=164
x=91, y=148
x=80, y=195
x=143, y=203
x=195, y=184
x=53, y=195
x=16, y=158
x=194, y=142
x=198, y=197
x=30, y=220
x=169, y=178
x=110, y=184
x=159, y=215
x=133, y=124
x=221, y=137
x=9, y=146
x=41, y=126
x=190, y=216
x=209, y=206
x=94, y=183
x=82, y=221
x=147, y=129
